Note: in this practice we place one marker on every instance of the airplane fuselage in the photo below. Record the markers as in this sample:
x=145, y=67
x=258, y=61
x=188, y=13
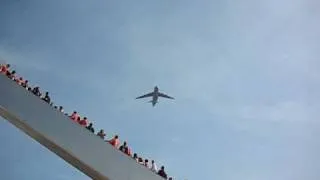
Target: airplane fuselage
x=155, y=96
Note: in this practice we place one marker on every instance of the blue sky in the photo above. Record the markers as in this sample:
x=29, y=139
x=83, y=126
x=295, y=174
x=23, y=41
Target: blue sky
x=245, y=76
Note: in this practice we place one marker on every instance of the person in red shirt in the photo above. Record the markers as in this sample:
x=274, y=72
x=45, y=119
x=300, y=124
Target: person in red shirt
x=84, y=122
x=4, y=69
x=74, y=116
x=115, y=142
x=19, y=80
x=78, y=119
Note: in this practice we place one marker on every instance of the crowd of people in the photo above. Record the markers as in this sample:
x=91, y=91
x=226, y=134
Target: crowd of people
x=84, y=122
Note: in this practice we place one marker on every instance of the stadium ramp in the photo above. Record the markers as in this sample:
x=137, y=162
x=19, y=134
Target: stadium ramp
x=71, y=142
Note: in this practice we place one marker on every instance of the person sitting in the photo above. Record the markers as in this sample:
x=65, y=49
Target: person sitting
x=90, y=128
x=140, y=160
x=115, y=142
x=4, y=69
x=61, y=109
x=83, y=122
x=135, y=157
x=46, y=98
x=101, y=134
x=146, y=163
x=128, y=151
x=25, y=84
x=11, y=75
x=36, y=91
x=162, y=173
x=123, y=146
x=78, y=119
x=153, y=167
x=74, y=116
x=125, y=149
x=19, y=81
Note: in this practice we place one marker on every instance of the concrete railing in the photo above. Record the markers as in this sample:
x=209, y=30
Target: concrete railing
x=75, y=144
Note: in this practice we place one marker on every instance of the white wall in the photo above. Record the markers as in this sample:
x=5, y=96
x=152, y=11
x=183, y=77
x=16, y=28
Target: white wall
x=73, y=143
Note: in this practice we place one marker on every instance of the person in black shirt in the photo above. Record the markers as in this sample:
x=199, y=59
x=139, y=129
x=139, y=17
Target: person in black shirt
x=101, y=134
x=11, y=74
x=46, y=98
x=25, y=84
x=90, y=128
x=61, y=109
x=162, y=173
x=135, y=156
x=36, y=91
x=123, y=147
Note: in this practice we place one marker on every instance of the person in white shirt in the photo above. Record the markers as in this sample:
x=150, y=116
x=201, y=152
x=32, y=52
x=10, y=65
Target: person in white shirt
x=153, y=167
x=61, y=109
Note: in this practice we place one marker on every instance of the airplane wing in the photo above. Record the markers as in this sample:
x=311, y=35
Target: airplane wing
x=165, y=96
x=146, y=95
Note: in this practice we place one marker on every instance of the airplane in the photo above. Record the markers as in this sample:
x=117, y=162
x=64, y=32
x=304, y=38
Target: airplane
x=155, y=94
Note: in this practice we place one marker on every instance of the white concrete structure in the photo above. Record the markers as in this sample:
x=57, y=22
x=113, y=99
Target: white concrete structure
x=67, y=139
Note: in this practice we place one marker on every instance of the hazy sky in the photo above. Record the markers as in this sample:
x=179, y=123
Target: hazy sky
x=245, y=75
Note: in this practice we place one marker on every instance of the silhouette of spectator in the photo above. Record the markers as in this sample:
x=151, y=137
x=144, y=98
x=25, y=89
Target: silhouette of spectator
x=74, y=116
x=25, y=84
x=46, y=98
x=146, y=163
x=153, y=167
x=101, y=134
x=135, y=157
x=83, y=122
x=123, y=146
x=170, y=178
x=36, y=91
x=30, y=89
x=78, y=119
x=125, y=149
x=140, y=160
x=115, y=142
x=61, y=109
x=4, y=69
x=19, y=80
x=90, y=128
x=55, y=107
x=162, y=173
x=11, y=75
x=128, y=151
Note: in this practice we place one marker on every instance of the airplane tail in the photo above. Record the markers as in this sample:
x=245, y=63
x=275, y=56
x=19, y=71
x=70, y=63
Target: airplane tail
x=153, y=104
